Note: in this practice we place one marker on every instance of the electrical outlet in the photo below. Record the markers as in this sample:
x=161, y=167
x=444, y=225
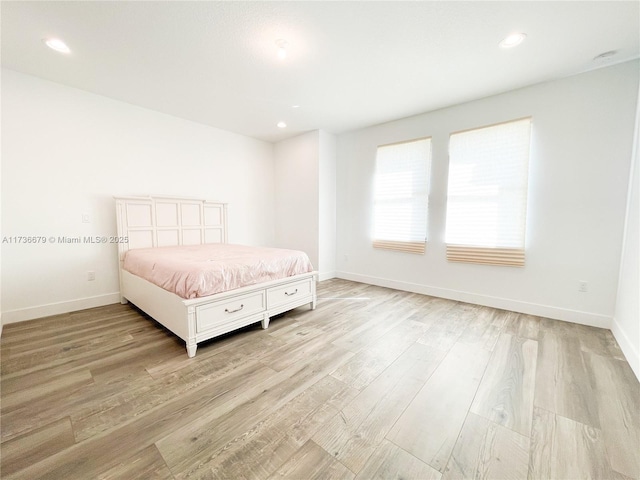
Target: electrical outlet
x=91, y=276
x=583, y=286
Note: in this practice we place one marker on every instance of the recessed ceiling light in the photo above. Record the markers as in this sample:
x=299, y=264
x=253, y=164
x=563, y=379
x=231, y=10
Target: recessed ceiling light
x=512, y=40
x=605, y=55
x=57, y=45
x=282, y=125
x=282, y=48
x=295, y=106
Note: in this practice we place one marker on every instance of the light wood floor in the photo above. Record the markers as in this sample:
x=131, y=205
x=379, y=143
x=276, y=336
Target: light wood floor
x=375, y=383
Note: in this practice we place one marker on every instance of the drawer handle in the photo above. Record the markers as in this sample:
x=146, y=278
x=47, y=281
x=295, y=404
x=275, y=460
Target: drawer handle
x=236, y=310
x=289, y=294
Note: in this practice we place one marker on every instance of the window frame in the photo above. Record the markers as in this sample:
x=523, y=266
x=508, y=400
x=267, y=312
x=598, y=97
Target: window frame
x=483, y=254
x=408, y=246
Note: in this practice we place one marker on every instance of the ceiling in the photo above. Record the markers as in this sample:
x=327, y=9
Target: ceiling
x=349, y=64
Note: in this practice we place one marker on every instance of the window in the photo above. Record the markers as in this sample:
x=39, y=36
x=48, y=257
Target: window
x=487, y=194
x=401, y=195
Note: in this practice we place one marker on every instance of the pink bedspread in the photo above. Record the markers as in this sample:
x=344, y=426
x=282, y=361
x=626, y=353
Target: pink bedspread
x=201, y=270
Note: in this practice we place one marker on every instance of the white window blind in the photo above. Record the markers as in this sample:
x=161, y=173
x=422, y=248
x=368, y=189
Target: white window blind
x=401, y=195
x=487, y=194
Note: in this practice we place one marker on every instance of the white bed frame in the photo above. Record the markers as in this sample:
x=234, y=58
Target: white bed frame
x=145, y=222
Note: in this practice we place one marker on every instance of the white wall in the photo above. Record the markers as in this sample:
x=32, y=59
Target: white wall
x=297, y=187
x=327, y=205
x=581, y=147
x=1, y=317
x=626, y=324
x=305, y=178
x=66, y=153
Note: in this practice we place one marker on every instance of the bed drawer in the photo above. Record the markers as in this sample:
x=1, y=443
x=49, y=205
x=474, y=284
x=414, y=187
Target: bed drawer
x=229, y=310
x=288, y=293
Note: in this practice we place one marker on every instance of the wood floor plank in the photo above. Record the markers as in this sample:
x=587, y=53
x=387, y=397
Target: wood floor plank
x=291, y=354
x=122, y=324
x=31, y=447
x=391, y=462
x=618, y=398
x=66, y=383
x=101, y=360
x=599, y=341
x=505, y=394
x=42, y=411
x=294, y=332
x=257, y=458
x=112, y=349
x=563, y=448
x=354, y=434
x=146, y=464
x=366, y=299
x=445, y=332
x=377, y=325
x=68, y=322
x=254, y=346
x=312, y=462
x=263, y=449
x=433, y=310
x=591, y=339
x=521, y=325
x=54, y=333
x=103, y=452
x=135, y=370
x=145, y=396
x=373, y=359
x=190, y=449
x=429, y=427
x=60, y=352
x=563, y=385
x=486, y=450
x=484, y=328
x=342, y=325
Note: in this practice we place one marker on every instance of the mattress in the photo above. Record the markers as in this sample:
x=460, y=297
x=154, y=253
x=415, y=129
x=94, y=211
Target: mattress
x=200, y=270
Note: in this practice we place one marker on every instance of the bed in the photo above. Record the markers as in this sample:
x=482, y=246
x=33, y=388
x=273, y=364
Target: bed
x=150, y=225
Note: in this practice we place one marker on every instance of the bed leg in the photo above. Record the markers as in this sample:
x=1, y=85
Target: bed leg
x=313, y=304
x=123, y=300
x=191, y=349
x=265, y=323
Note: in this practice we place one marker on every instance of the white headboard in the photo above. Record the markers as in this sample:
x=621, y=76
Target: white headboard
x=160, y=221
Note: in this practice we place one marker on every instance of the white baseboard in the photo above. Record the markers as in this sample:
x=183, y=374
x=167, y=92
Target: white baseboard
x=556, y=313
x=628, y=348
x=326, y=276
x=22, y=314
